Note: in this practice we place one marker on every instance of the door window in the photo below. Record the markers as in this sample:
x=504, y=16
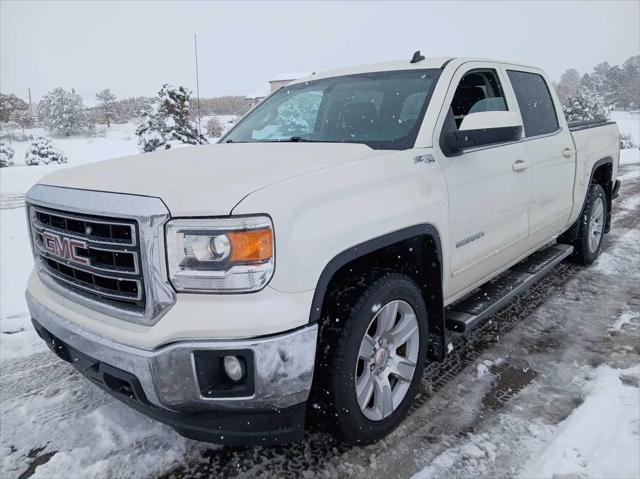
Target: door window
x=478, y=90
x=536, y=105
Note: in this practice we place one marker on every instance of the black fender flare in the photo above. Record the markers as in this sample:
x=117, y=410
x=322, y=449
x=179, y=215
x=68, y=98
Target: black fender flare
x=436, y=310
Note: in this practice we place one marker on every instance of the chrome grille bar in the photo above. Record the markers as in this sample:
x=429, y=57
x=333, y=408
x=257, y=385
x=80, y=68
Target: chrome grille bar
x=125, y=241
x=103, y=259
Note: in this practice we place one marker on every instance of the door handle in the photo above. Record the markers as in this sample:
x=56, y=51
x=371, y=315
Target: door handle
x=567, y=152
x=519, y=165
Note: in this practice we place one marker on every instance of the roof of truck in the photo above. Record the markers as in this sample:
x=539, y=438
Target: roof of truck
x=427, y=63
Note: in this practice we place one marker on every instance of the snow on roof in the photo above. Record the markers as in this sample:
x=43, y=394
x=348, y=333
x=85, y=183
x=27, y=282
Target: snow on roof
x=290, y=76
x=263, y=91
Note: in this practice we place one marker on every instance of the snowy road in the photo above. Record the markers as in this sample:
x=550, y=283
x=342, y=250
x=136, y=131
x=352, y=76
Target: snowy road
x=549, y=386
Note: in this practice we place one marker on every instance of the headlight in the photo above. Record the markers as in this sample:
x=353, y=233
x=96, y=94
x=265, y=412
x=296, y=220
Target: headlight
x=220, y=254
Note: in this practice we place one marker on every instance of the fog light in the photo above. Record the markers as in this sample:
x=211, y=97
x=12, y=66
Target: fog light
x=234, y=368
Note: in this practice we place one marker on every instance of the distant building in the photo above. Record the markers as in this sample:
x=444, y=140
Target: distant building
x=276, y=83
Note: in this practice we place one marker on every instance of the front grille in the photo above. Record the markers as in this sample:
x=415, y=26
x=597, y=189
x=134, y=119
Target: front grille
x=95, y=256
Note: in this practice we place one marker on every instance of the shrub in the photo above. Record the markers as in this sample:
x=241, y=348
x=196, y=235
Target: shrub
x=42, y=152
x=214, y=128
x=6, y=155
x=626, y=142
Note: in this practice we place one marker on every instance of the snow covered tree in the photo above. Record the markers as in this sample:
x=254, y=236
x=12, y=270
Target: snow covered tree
x=42, y=152
x=214, y=128
x=569, y=84
x=587, y=104
x=64, y=113
x=630, y=87
x=170, y=123
x=9, y=104
x=107, y=100
x=6, y=155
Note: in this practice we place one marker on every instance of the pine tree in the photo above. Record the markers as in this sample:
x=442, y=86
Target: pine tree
x=170, y=123
x=64, y=113
x=43, y=152
x=587, y=104
x=6, y=155
x=107, y=105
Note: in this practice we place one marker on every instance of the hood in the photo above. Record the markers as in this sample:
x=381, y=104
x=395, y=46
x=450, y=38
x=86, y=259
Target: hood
x=207, y=180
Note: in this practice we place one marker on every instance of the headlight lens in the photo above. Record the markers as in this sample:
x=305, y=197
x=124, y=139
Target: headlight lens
x=220, y=254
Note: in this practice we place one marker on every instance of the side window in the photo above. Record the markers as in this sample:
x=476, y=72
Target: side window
x=536, y=106
x=478, y=90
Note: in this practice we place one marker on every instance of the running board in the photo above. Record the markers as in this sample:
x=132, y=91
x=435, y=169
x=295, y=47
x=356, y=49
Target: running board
x=465, y=315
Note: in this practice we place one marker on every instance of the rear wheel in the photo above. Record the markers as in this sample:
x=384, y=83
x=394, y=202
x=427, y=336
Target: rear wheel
x=588, y=244
x=378, y=360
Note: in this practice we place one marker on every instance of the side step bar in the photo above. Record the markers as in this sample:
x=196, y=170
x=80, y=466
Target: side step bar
x=465, y=315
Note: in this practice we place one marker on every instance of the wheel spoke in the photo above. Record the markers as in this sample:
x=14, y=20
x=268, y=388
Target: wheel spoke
x=383, y=398
x=401, y=332
x=402, y=368
x=366, y=347
x=597, y=210
x=364, y=388
x=387, y=318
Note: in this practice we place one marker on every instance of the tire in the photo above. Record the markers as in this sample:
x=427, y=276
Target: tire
x=387, y=406
x=588, y=244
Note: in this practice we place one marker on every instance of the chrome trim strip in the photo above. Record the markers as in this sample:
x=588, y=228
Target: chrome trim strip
x=71, y=264
x=283, y=364
x=96, y=290
x=150, y=214
x=53, y=229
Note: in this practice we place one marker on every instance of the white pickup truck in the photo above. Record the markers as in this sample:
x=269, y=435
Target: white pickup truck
x=337, y=239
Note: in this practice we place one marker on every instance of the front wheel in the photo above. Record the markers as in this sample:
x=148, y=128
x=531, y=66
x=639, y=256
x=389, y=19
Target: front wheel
x=378, y=360
x=588, y=244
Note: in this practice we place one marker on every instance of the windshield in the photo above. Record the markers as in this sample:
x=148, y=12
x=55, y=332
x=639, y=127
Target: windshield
x=383, y=110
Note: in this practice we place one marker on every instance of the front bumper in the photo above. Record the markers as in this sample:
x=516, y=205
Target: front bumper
x=164, y=384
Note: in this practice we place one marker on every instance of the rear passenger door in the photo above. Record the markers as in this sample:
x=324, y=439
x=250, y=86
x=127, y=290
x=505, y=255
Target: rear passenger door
x=488, y=186
x=551, y=155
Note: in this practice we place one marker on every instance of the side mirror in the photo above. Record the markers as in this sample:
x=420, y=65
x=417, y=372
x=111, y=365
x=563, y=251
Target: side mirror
x=484, y=128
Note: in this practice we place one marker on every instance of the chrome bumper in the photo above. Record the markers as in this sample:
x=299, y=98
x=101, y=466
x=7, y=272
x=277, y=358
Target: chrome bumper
x=283, y=365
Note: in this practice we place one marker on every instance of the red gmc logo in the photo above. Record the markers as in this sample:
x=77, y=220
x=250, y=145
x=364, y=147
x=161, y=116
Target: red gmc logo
x=64, y=247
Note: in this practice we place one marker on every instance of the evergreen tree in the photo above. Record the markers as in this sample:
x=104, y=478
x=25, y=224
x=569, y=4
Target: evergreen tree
x=42, y=152
x=107, y=105
x=64, y=113
x=630, y=87
x=170, y=123
x=6, y=155
x=9, y=104
x=569, y=84
x=587, y=104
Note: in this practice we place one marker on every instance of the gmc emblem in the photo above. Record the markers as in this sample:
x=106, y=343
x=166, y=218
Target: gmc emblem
x=66, y=248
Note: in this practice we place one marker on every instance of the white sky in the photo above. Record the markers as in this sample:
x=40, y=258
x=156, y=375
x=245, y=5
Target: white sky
x=134, y=47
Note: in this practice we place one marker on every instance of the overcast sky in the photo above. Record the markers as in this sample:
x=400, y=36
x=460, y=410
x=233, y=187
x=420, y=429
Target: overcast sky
x=133, y=48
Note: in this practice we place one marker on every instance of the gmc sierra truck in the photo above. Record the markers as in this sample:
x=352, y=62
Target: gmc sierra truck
x=338, y=238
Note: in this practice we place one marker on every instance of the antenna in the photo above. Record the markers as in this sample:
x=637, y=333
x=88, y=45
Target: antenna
x=417, y=57
x=195, y=45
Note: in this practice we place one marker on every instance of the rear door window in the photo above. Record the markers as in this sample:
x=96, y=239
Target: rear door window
x=536, y=105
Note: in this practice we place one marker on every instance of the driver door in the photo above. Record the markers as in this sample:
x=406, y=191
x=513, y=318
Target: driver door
x=488, y=185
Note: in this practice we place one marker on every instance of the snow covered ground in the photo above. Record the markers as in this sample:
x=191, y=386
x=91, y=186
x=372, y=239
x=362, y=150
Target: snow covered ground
x=549, y=387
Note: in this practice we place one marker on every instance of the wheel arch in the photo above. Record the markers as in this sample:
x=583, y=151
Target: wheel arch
x=602, y=174
x=423, y=249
